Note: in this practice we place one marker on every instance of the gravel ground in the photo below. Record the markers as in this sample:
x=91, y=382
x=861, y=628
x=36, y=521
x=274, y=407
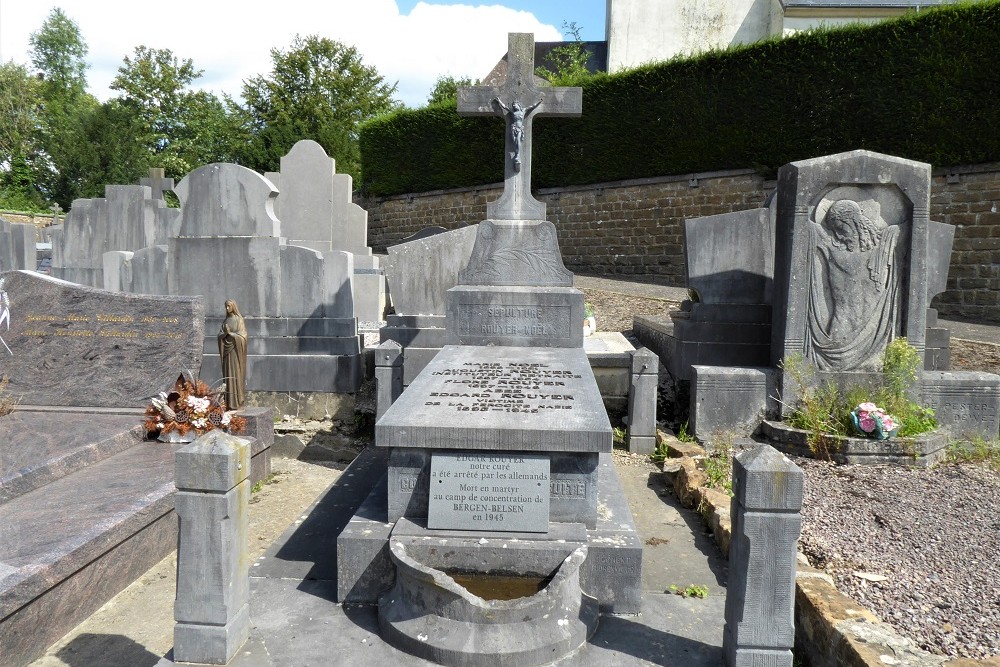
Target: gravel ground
x=614, y=311
x=917, y=547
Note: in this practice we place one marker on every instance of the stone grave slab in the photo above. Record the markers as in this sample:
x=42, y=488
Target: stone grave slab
x=496, y=491
x=500, y=398
x=71, y=345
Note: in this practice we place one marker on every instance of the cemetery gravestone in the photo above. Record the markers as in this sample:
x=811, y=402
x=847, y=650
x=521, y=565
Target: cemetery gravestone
x=496, y=428
x=297, y=301
x=856, y=263
x=72, y=345
x=316, y=210
x=851, y=259
x=127, y=218
x=17, y=246
x=419, y=273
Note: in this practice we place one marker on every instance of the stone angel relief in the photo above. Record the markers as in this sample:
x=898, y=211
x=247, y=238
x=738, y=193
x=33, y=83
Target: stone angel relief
x=4, y=312
x=855, y=287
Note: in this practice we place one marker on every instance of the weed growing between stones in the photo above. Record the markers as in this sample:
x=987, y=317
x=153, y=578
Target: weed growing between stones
x=683, y=435
x=661, y=453
x=7, y=402
x=691, y=591
x=975, y=450
x=824, y=409
x=718, y=465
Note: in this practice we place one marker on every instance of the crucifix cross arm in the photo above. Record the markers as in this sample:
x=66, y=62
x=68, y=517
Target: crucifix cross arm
x=518, y=99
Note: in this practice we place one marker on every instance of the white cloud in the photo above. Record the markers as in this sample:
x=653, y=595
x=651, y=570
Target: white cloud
x=231, y=41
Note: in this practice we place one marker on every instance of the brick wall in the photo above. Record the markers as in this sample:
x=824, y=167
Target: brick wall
x=630, y=228
x=969, y=198
x=634, y=228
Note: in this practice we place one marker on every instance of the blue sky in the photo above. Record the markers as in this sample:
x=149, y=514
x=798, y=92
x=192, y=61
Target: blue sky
x=410, y=42
x=588, y=14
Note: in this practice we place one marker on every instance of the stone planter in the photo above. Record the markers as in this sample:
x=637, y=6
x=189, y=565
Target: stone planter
x=428, y=614
x=923, y=450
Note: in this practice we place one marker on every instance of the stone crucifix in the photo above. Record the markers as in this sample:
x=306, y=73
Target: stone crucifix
x=519, y=100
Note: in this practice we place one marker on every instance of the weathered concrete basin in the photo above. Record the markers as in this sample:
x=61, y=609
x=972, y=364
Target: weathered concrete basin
x=428, y=614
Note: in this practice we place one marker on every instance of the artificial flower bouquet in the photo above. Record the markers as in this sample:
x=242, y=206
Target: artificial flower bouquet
x=872, y=421
x=190, y=409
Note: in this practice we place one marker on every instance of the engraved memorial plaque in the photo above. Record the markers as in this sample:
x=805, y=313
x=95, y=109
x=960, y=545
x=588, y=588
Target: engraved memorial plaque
x=499, y=491
x=500, y=398
x=67, y=344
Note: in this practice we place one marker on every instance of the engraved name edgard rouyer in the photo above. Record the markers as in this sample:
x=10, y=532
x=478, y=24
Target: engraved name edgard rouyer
x=529, y=388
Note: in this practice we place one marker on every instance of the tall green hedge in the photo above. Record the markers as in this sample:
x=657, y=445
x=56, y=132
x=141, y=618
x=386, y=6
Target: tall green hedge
x=925, y=87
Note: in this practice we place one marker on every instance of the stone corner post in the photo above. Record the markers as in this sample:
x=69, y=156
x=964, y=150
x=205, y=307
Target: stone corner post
x=643, y=383
x=760, y=599
x=211, y=608
x=388, y=375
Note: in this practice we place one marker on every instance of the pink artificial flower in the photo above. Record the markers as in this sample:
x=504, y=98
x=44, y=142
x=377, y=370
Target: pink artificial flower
x=867, y=407
x=888, y=423
x=867, y=424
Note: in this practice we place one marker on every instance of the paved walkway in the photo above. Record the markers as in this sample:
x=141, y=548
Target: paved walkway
x=643, y=286
x=296, y=621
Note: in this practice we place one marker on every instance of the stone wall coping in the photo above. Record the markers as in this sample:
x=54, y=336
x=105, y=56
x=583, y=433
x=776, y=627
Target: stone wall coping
x=697, y=176
x=843, y=627
x=983, y=168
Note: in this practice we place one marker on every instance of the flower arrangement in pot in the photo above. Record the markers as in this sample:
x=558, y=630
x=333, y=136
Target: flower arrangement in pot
x=872, y=421
x=188, y=410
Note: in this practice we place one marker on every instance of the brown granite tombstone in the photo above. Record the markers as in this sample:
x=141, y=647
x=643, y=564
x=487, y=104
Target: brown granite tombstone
x=69, y=345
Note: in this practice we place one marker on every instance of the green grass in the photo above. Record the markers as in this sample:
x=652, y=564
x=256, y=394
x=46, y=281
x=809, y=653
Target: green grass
x=690, y=591
x=825, y=409
x=977, y=450
x=718, y=466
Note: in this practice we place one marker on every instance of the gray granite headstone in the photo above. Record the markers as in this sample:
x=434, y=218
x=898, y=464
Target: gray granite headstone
x=725, y=399
x=17, y=246
x=127, y=218
x=228, y=246
x=420, y=272
x=315, y=203
x=316, y=210
x=70, y=345
x=730, y=257
x=851, y=259
x=489, y=491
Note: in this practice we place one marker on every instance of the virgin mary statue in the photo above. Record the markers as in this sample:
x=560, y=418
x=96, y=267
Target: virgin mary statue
x=233, y=353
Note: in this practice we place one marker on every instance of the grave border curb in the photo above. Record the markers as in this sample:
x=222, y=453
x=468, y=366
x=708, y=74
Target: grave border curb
x=830, y=627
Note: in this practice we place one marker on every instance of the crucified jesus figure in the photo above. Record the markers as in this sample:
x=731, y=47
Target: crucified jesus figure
x=516, y=115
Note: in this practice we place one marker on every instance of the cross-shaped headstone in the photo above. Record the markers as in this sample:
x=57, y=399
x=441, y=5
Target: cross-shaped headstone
x=157, y=182
x=518, y=100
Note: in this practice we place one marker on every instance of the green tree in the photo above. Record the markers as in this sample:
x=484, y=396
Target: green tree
x=568, y=62
x=446, y=88
x=318, y=89
x=20, y=110
x=58, y=51
x=180, y=128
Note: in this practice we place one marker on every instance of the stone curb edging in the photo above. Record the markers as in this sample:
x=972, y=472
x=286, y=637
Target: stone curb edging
x=831, y=629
